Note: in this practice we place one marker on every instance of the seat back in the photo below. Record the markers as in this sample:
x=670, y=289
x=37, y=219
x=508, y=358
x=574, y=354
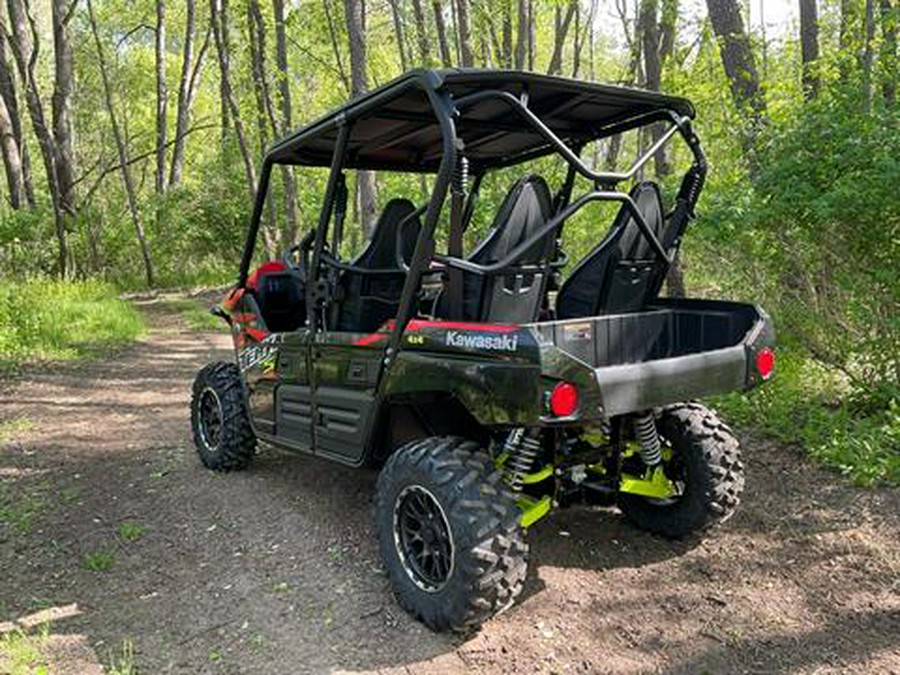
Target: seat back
x=513, y=297
x=623, y=271
x=281, y=296
x=365, y=301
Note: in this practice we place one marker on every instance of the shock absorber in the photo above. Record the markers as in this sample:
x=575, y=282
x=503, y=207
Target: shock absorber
x=522, y=449
x=647, y=438
x=460, y=176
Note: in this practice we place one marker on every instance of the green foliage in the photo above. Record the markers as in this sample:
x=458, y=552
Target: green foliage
x=131, y=531
x=21, y=652
x=814, y=406
x=101, y=560
x=122, y=663
x=18, y=507
x=51, y=320
x=196, y=315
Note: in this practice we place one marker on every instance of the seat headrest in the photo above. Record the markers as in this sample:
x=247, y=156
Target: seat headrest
x=527, y=207
x=634, y=245
x=380, y=253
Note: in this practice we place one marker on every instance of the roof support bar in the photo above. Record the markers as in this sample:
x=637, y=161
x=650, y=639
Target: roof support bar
x=568, y=154
x=424, y=250
x=334, y=178
x=262, y=190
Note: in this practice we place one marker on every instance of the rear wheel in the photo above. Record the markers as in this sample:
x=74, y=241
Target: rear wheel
x=706, y=467
x=449, y=534
x=222, y=433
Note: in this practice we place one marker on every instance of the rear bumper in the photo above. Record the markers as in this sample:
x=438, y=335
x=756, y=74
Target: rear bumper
x=639, y=386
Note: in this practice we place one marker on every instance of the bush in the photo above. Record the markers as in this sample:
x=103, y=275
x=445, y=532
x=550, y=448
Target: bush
x=42, y=320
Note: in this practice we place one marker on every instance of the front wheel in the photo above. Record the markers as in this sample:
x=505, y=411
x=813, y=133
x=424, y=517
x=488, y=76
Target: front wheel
x=449, y=534
x=705, y=463
x=222, y=433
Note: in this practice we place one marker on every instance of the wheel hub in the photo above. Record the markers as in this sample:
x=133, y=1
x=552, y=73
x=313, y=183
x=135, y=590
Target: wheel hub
x=210, y=414
x=423, y=538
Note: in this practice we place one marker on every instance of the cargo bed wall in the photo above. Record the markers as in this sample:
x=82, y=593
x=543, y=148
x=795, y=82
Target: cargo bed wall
x=666, y=330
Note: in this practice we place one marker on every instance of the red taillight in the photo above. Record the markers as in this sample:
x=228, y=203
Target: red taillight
x=765, y=362
x=564, y=399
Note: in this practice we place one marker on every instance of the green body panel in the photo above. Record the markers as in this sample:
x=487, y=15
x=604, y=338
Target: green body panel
x=494, y=393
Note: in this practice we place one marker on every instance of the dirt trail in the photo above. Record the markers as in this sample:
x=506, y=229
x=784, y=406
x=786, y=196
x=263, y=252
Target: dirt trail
x=275, y=569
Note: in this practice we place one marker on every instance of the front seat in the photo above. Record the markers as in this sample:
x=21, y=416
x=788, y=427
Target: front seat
x=513, y=296
x=280, y=294
x=366, y=301
x=622, y=272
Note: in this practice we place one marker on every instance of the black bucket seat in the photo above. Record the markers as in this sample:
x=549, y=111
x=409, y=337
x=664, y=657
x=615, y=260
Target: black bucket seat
x=513, y=296
x=365, y=301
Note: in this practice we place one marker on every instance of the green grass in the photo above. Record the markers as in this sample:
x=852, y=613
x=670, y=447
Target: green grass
x=196, y=314
x=12, y=428
x=47, y=320
x=18, y=508
x=816, y=407
x=123, y=663
x=21, y=653
x=131, y=531
x=101, y=560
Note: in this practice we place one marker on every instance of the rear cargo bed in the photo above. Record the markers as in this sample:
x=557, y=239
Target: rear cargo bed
x=669, y=352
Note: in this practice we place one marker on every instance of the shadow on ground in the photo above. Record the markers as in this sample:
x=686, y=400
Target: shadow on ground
x=276, y=568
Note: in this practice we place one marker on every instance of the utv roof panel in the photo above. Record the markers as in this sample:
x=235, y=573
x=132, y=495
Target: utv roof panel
x=395, y=126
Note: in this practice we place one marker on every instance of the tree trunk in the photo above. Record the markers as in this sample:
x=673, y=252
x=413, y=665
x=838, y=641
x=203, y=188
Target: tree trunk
x=443, y=44
x=532, y=35
x=366, y=188
x=25, y=54
x=9, y=138
x=422, y=34
x=506, y=40
x=397, y=19
x=219, y=19
x=521, y=34
x=889, y=22
x=190, y=72
x=668, y=21
x=335, y=47
x=868, y=54
x=264, y=112
x=284, y=91
x=63, y=85
x=224, y=94
x=582, y=34
x=161, y=95
x=809, y=47
x=467, y=55
x=122, y=151
x=559, y=36
x=737, y=59
x=24, y=190
x=12, y=161
x=847, y=24
x=651, y=48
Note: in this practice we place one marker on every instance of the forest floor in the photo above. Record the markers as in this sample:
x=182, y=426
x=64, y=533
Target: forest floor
x=110, y=526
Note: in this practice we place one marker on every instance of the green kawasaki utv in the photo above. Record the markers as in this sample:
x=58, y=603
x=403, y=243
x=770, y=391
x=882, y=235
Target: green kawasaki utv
x=489, y=387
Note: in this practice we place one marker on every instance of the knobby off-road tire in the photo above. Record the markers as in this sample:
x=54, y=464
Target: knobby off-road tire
x=488, y=554
x=222, y=433
x=707, y=458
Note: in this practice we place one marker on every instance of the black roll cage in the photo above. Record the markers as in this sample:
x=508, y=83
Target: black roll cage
x=446, y=110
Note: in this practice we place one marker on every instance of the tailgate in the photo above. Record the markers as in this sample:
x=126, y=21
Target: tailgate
x=672, y=351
